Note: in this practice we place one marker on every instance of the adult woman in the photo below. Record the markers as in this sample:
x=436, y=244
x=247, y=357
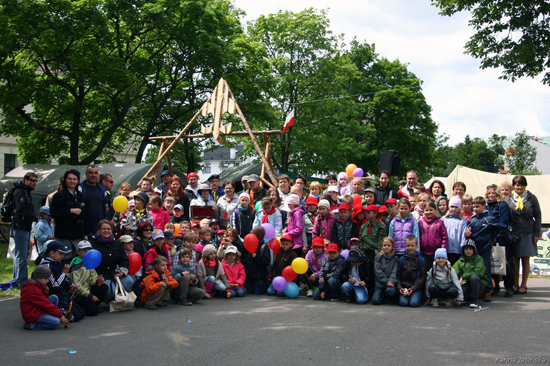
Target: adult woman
x=526, y=218
x=505, y=189
x=114, y=261
x=459, y=189
x=273, y=193
x=436, y=189
x=125, y=189
x=67, y=208
x=383, y=190
x=227, y=203
x=176, y=190
x=143, y=241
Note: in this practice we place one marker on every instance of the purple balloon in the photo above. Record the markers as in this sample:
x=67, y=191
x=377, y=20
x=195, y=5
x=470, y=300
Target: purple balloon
x=345, y=253
x=279, y=283
x=358, y=172
x=269, y=231
x=237, y=211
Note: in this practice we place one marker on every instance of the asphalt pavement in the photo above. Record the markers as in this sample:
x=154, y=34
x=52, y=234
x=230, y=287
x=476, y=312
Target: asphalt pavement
x=257, y=330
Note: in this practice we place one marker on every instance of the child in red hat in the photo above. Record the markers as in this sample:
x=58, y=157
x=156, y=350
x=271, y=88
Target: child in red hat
x=314, y=258
x=330, y=275
x=343, y=229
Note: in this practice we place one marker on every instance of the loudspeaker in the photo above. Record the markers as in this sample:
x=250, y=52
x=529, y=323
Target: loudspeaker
x=389, y=161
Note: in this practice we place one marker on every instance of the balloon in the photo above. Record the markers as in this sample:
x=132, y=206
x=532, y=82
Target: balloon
x=237, y=211
x=275, y=245
x=279, y=283
x=92, y=259
x=135, y=262
x=251, y=243
x=258, y=204
x=356, y=199
x=120, y=204
x=299, y=265
x=177, y=230
x=358, y=172
x=289, y=274
x=345, y=253
x=292, y=290
x=269, y=231
x=349, y=170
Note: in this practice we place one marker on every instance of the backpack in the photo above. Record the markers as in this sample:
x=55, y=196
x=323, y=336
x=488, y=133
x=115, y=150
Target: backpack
x=8, y=207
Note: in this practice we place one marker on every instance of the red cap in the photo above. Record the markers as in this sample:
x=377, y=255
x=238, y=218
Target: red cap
x=287, y=237
x=221, y=231
x=192, y=174
x=333, y=248
x=312, y=201
x=391, y=201
x=372, y=208
x=382, y=208
x=318, y=242
x=344, y=206
x=357, y=209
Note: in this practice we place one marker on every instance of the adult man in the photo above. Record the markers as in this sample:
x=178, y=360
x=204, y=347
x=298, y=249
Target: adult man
x=412, y=180
x=256, y=193
x=192, y=189
x=146, y=185
x=21, y=223
x=284, y=187
x=95, y=200
x=164, y=186
x=244, y=183
x=106, y=181
x=217, y=191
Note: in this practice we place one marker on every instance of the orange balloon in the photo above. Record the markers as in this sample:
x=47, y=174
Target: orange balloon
x=177, y=230
x=349, y=170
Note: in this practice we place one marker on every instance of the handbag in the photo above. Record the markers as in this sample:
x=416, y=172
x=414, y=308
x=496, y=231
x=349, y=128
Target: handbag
x=498, y=260
x=123, y=300
x=510, y=236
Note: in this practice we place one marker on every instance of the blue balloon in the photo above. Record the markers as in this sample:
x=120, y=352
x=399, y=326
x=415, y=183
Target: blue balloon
x=92, y=259
x=292, y=290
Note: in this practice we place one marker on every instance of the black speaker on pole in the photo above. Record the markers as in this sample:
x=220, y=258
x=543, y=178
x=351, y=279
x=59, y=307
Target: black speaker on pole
x=389, y=161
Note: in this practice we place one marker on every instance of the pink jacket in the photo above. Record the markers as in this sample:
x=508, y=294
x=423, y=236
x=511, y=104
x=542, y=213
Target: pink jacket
x=235, y=273
x=323, y=226
x=160, y=217
x=296, y=226
x=433, y=235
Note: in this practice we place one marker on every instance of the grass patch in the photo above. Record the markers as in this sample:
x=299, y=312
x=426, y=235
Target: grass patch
x=6, y=270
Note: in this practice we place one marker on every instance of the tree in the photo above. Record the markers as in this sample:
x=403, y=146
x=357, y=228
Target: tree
x=509, y=34
x=523, y=155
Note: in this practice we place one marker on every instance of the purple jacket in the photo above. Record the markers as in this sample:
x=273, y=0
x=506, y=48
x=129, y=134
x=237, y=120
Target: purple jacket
x=315, y=267
x=433, y=235
x=323, y=226
x=401, y=228
x=296, y=226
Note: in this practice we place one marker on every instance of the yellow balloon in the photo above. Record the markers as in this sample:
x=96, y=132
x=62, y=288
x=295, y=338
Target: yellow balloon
x=299, y=265
x=120, y=204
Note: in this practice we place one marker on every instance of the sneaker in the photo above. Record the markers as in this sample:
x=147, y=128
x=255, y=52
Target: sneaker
x=162, y=304
x=449, y=303
x=28, y=326
x=185, y=302
x=435, y=303
x=509, y=292
x=309, y=293
x=473, y=304
x=151, y=307
x=302, y=287
x=487, y=297
x=335, y=300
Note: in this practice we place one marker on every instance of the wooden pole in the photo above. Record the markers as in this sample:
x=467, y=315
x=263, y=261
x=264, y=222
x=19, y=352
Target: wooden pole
x=234, y=133
x=170, y=163
x=267, y=182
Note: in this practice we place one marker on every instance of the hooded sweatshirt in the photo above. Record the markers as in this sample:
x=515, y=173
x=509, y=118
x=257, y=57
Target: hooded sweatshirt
x=466, y=267
x=443, y=278
x=433, y=235
x=455, y=232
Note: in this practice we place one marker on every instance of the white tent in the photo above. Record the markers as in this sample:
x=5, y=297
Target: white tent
x=476, y=182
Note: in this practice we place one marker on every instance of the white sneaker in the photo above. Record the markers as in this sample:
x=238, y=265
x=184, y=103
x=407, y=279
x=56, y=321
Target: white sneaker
x=473, y=305
x=309, y=293
x=435, y=303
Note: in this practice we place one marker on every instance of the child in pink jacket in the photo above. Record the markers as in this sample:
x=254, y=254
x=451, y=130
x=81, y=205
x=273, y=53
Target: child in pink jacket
x=295, y=226
x=234, y=270
x=433, y=234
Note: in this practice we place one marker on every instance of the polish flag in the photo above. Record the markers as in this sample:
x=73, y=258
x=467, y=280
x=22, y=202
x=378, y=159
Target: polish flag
x=289, y=121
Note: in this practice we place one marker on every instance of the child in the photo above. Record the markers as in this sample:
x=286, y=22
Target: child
x=269, y=214
x=423, y=199
x=315, y=189
x=185, y=274
x=128, y=245
x=442, y=281
x=433, y=234
x=370, y=196
x=471, y=272
x=130, y=222
x=442, y=206
x=205, y=236
x=210, y=273
x=325, y=221
x=219, y=236
x=391, y=205
x=402, y=226
x=214, y=226
x=38, y=310
x=168, y=204
x=159, y=248
x=160, y=216
x=43, y=230
x=242, y=218
x=343, y=184
x=59, y=283
x=330, y=275
x=382, y=213
x=333, y=195
x=413, y=199
x=359, y=217
x=157, y=284
x=295, y=226
x=482, y=231
x=92, y=290
x=467, y=207
x=343, y=229
x=356, y=274
x=308, y=221
x=283, y=259
x=204, y=200
x=195, y=228
x=177, y=214
x=185, y=227
x=255, y=264
x=411, y=274
x=385, y=269
x=169, y=240
x=455, y=224
x=314, y=258
x=234, y=270
x=372, y=233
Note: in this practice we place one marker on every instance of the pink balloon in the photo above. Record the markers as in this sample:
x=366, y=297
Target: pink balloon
x=358, y=172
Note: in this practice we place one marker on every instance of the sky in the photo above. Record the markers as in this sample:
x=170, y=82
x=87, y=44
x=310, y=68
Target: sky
x=464, y=98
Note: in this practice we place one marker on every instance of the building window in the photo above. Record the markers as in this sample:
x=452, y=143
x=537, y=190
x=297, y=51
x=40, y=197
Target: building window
x=10, y=161
x=207, y=169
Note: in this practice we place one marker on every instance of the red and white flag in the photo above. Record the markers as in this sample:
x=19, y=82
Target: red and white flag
x=289, y=121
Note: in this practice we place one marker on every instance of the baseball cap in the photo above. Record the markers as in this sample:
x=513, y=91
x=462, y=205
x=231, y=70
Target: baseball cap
x=158, y=234
x=312, y=201
x=354, y=255
x=344, y=206
x=125, y=239
x=391, y=201
x=57, y=246
x=287, y=237
x=318, y=242
x=83, y=244
x=333, y=248
x=178, y=206
x=372, y=208
x=253, y=178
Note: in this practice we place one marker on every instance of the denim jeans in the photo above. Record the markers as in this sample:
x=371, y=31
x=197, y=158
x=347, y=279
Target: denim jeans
x=361, y=294
x=486, y=255
x=381, y=295
x=257, y=287
x=331, y=289
x=414, y=300
x=272, y=291
x=47, y=321
x=237, y=292
x=127, y=282
x=21, y=251
x=218, y=284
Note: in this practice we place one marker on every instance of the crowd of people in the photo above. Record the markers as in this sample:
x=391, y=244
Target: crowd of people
x=362, y=242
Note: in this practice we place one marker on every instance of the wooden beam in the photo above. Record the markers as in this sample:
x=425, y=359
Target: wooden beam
x=170, y=163
x=267, y=182
x=198, y=135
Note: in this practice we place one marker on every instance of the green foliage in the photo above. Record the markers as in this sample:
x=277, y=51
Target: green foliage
x=523, y=157
x=509, y=34
x=183, y=156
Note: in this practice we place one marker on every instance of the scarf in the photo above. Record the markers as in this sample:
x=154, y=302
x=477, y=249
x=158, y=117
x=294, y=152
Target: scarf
x=139, y=212
x=519, y=199
x=266, y=214
x=103, y=240
x=76, y=260
x=160, y=251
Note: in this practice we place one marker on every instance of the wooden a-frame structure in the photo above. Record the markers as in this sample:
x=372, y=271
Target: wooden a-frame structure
x=221, y=101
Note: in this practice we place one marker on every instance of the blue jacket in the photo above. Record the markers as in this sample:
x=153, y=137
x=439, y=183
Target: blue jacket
x=106, y=197
x=483, y=230
x=455, y=232
x=499, y=213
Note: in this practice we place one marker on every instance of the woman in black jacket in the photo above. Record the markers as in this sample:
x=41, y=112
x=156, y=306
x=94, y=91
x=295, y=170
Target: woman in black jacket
x=383, y=190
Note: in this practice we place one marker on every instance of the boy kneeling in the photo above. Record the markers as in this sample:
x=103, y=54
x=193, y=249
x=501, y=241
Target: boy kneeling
x=157, y=284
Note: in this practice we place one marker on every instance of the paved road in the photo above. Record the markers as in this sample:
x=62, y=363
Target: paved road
x=260, y=330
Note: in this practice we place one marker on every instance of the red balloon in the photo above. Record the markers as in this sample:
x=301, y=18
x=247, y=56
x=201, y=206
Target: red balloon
x=289, y=274
x=135, y=262
x=356, y=199
x=251, y=243
x=274, y=245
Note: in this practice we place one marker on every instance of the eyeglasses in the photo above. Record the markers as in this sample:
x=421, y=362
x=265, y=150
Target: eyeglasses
x=110, y=181
x=33, y=180
x=147, y=229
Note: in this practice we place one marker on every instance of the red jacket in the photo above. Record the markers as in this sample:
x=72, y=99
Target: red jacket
x=34, y=302
x=235, y=274
x=152, y=254
x=151, y=283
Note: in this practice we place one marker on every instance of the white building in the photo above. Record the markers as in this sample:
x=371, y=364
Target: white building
x=220, y=159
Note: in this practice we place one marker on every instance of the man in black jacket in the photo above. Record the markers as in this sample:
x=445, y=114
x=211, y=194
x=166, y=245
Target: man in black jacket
x=21, y=224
